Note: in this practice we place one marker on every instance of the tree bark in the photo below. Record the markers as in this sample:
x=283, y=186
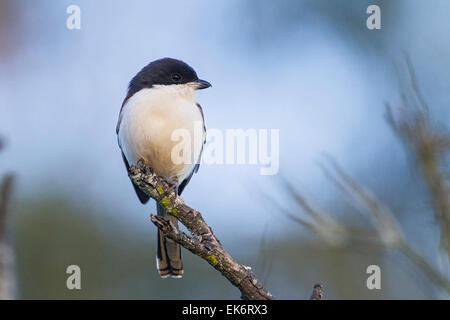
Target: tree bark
x=203, y=241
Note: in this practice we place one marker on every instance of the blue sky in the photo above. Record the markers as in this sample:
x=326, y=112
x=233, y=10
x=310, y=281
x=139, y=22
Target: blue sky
x=61, y=94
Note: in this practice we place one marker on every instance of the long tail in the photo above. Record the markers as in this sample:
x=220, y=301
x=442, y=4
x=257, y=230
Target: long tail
x=168, y=255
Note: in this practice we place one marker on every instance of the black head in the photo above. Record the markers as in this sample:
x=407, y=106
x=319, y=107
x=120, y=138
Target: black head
x=165, y=71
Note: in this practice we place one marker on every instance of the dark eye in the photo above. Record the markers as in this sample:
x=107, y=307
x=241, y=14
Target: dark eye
x=176, y=77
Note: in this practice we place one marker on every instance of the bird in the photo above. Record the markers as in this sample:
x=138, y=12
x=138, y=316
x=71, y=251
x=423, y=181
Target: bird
x=161, y=98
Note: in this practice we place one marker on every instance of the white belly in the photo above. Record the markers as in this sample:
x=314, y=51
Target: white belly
x=149, y=121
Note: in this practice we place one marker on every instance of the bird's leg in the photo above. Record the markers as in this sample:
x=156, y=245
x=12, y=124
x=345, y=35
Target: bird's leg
x=141, y=164
x=173, y=184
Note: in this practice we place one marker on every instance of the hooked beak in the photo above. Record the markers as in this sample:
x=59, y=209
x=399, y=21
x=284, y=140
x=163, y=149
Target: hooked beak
x=201, y=84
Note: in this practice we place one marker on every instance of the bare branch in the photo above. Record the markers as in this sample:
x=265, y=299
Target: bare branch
x=428, y=145
x=203, y=242
x=382, y=218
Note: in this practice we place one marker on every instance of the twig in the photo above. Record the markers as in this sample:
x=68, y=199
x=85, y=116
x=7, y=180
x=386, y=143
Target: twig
x=5, y=194
x=317, y=292
x=6, y=281
x=429, y=147
x=203, y=243
x=388, y=232
x=389, y=228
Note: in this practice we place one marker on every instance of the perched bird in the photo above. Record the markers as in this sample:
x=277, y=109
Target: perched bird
x=160, y=100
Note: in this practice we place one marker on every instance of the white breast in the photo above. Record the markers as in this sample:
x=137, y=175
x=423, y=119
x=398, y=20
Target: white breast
x=148, y=121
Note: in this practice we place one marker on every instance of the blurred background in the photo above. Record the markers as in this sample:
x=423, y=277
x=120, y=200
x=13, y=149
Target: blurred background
x=309, y=68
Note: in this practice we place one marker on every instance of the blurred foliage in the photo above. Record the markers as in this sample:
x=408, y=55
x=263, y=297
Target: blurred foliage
x=427, y=144
x=117, y=262
x=11, y=28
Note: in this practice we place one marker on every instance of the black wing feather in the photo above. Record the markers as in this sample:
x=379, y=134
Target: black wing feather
x=143, y=197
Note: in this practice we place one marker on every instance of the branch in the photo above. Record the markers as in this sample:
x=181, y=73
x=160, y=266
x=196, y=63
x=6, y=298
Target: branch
x=6, y=258
x=203, y=242
x=5, y=194
x=317, y=292
x=7, y=282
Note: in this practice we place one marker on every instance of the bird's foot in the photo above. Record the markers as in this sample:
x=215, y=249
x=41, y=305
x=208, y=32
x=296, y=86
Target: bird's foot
x=141, y=164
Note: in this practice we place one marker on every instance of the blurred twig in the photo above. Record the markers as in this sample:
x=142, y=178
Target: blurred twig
x=203, y=242
x=266, y=256
x=330, y=229
x=317, y=292
x=5, y=194
x=6, y=281
x=388, y=232
x=428, y=146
